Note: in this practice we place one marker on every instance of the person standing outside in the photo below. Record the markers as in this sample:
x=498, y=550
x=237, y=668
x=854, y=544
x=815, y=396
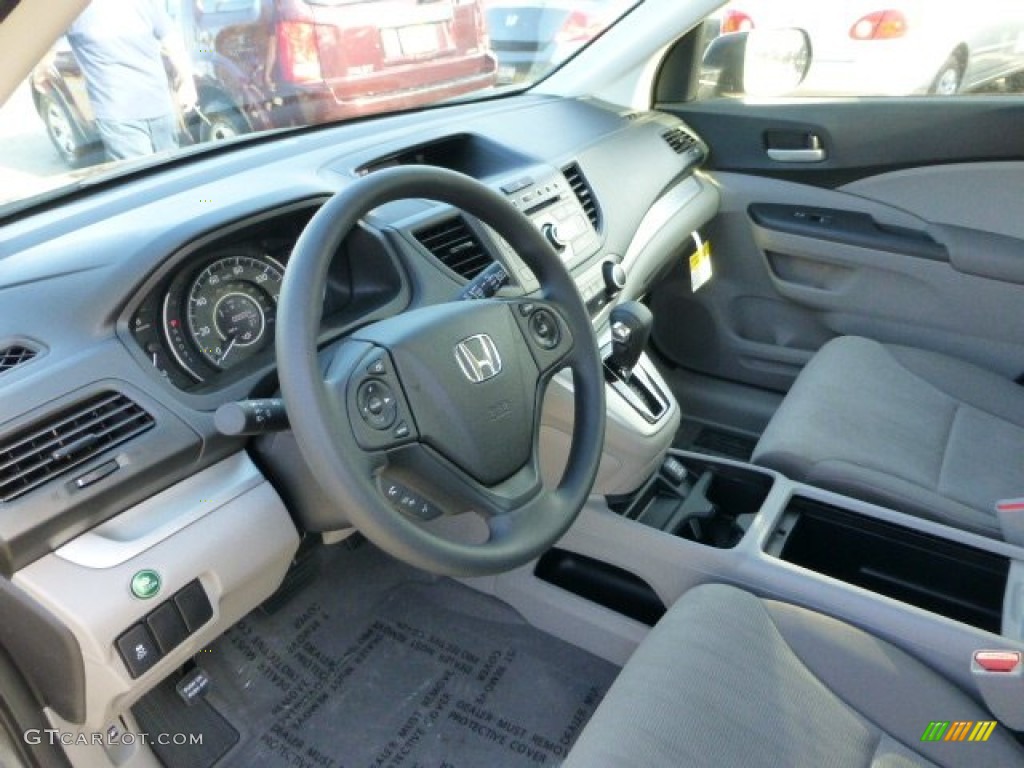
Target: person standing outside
x=120, y=47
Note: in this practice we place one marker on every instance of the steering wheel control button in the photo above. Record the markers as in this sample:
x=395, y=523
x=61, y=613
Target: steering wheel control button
x=167, y=626
x=408, y=501
x=377, y=404
x=145, y=584
x=544, y=329
x=378, y=411
x=138, y=650
x=194, y=605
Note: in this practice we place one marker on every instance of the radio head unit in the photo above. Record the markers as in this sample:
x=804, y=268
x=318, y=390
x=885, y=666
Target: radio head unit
x=555, y=210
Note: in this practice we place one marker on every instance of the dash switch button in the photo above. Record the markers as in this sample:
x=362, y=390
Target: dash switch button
x=194, y=605
x=167, y=627
x=138, y=649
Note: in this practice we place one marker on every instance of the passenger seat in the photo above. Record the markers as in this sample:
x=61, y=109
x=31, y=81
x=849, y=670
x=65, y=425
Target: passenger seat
x=908, y=429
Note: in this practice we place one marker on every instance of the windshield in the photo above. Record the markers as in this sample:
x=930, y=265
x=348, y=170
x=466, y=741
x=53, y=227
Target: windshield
x=137, y=81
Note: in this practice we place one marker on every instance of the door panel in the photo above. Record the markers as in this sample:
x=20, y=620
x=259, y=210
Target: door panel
x=861, y=137
x=987, y=196
x=889, y=237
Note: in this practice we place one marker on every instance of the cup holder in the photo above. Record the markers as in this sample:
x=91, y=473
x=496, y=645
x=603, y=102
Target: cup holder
x=707, y=502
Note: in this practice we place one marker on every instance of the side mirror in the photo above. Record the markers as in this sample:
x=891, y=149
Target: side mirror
x=758, y=62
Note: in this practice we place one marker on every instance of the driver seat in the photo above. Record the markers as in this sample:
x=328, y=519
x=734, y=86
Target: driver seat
x=730, y=679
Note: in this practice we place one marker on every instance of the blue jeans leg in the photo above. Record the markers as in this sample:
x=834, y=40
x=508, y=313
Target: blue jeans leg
x=125, y=139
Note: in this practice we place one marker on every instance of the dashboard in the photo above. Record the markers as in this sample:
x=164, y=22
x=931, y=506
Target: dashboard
x=165, y=288
x=137, y=308
x=208, y=316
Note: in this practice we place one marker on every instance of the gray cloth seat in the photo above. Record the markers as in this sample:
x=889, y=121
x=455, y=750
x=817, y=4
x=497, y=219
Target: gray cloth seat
x=905, y=428
x=727, y=679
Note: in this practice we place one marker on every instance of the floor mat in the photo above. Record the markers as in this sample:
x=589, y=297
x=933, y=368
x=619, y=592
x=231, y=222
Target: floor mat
x=715, y=441
x=163, y=711
x=378, y=664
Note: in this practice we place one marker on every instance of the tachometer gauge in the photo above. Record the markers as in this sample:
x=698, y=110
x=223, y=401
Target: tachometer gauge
x=229, y=311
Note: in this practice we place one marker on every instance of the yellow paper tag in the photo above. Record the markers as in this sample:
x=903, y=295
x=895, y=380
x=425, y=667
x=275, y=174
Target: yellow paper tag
x=700, y=264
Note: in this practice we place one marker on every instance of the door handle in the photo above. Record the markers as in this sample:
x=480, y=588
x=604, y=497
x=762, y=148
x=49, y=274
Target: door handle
x=798, y=148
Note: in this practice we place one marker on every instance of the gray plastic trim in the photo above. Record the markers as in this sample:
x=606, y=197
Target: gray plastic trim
x=1013, y=603
x=147, y=524
x=633, y=447
x=664, y=230
x=672, y=565
x=658, y=215
x=238, y=547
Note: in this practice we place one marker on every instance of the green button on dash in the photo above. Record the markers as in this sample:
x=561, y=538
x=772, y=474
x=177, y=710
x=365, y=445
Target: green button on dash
x=145, y=584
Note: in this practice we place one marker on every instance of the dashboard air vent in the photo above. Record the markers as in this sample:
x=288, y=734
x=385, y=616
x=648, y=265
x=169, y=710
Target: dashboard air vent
x=580, y=188
x=14, y=355
x=680, y=140
x=456, y=246
x=65, y=439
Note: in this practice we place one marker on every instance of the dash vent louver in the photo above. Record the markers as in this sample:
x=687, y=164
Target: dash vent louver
x=13, y=355
x=680, y=140
x=65, y=439
x=456, y=246
x=580, y=188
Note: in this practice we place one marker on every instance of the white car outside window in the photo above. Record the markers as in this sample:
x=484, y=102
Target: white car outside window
x=898, y=48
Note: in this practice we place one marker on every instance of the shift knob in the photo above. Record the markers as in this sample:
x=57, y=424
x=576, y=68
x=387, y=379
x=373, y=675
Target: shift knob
x=631, y=325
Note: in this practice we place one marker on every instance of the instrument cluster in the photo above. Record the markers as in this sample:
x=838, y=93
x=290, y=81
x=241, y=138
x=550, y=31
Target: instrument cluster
x=212, y=317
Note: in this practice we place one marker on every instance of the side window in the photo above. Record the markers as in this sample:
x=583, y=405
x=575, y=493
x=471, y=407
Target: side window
x=911, y=48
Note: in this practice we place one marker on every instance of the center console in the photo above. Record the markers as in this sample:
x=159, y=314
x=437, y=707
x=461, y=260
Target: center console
x=942, y=575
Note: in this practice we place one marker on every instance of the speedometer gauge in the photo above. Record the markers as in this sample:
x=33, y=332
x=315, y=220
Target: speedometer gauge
x=229, y=311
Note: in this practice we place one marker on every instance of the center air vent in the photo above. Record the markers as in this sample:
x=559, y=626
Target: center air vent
x=31, y=456
x=680, y=140
x=14, y=355
x=580, y=188
x=456, y=246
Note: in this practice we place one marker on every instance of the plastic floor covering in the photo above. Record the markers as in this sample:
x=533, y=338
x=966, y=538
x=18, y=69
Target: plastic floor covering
x=378, y=664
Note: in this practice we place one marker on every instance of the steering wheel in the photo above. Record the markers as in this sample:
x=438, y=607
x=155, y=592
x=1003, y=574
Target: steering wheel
x=436, y=411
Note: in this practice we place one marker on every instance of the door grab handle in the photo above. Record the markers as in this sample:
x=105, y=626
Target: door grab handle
x=797, y=155
x=808, y=148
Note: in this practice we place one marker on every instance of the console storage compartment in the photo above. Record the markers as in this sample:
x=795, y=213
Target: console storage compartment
x=949, y=578
x=706, y=501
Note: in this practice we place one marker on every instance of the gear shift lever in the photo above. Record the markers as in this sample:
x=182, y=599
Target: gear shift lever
x=631, y=327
